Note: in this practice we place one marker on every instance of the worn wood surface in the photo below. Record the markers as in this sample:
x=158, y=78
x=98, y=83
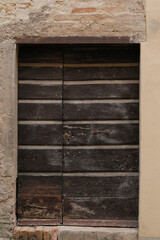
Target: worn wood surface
x=96, y=185
x=91, y=160
x=102, y=54
x=86, y=143
x=40, y=197
x=100, y=208
x=101, y=223
x=101, y=91
x=40, y=54
x=39, y=91
x=40, y=160
x=100, y=110
x=39, y=134
x=101, y=73
x=75, y=40
x=101, y=134
x=40, y=73
x=40, y=111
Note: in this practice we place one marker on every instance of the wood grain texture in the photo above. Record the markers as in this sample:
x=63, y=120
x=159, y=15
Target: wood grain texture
x=101, y=73
x=99, y=111
x=40, y=197
x=100, y=186
x=40, y=111
x=101, y=223
x=40, y=53
x=102, y=54
x=40, y=73
x=39, y=91
x=101, y=91
x=101, y=134
x=40, y=134
x=111, y=160
x=40, y=160
x=100, y=208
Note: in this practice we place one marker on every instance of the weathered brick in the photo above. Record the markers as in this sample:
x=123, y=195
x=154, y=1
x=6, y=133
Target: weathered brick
x=31, y=232
x=39, y=233
x=47, y=233
x=54, y=233
x=24, y=233
x=17, y=231
x=84, y=10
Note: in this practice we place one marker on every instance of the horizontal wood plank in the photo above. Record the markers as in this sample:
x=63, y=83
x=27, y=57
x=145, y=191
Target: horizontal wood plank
x=111, y=160
x=40, y=53
x=100, y=186
x=40, y=134
x=101, y=134
x=40, y=111
x=99, y=111
x=101, y=91
x=101, y=223
x=40, y=73
x=100, y=209
x=101, y=73
x=39, y=91
x=101, y=54
x=40, y=197
x=40, y=160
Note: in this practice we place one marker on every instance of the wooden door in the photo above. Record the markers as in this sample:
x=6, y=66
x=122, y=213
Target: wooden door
x=40, y=135
x=78, y=131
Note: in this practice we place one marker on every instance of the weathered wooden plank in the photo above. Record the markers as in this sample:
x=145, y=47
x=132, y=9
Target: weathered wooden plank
x=40, y=111
x=101, y=54
x=101, y=134
x=100, y=186
x=40, y=160
x=100, y=223
x=98, y=111
x=39, y=91
x=40, y=134
x=38, y=222
x=40, y=197
x=40, y=53
x=111, y=160
x=100, y=209
x=101, y=73
x=39, y=73
x=101, y=91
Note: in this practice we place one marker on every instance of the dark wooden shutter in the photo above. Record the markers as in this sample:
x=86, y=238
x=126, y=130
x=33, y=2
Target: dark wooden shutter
x=40, y=135
x=100, y=113
x=78, y=131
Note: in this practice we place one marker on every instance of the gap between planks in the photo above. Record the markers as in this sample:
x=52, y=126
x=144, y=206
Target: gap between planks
x=75, y=82
x=83, y=174
x=78, y=122
x=30, y=147
x=84, y=65
x=80, y=101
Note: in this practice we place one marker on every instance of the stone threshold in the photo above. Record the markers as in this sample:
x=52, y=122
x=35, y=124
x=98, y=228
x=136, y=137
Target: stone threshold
x=75, y=233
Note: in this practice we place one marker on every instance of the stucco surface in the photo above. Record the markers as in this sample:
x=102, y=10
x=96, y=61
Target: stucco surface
x=48, y=18
x=150, y=126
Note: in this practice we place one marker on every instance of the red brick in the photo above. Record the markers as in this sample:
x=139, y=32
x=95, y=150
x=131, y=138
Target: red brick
x=54, y=233
x=24, y=233
x=47, y=233
x=39, y=233
x=84, y=10
x=17, y=231
x=31, y=232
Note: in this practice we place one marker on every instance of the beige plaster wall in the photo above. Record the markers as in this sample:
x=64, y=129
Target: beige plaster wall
x=150, y=125
x=48, y=18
